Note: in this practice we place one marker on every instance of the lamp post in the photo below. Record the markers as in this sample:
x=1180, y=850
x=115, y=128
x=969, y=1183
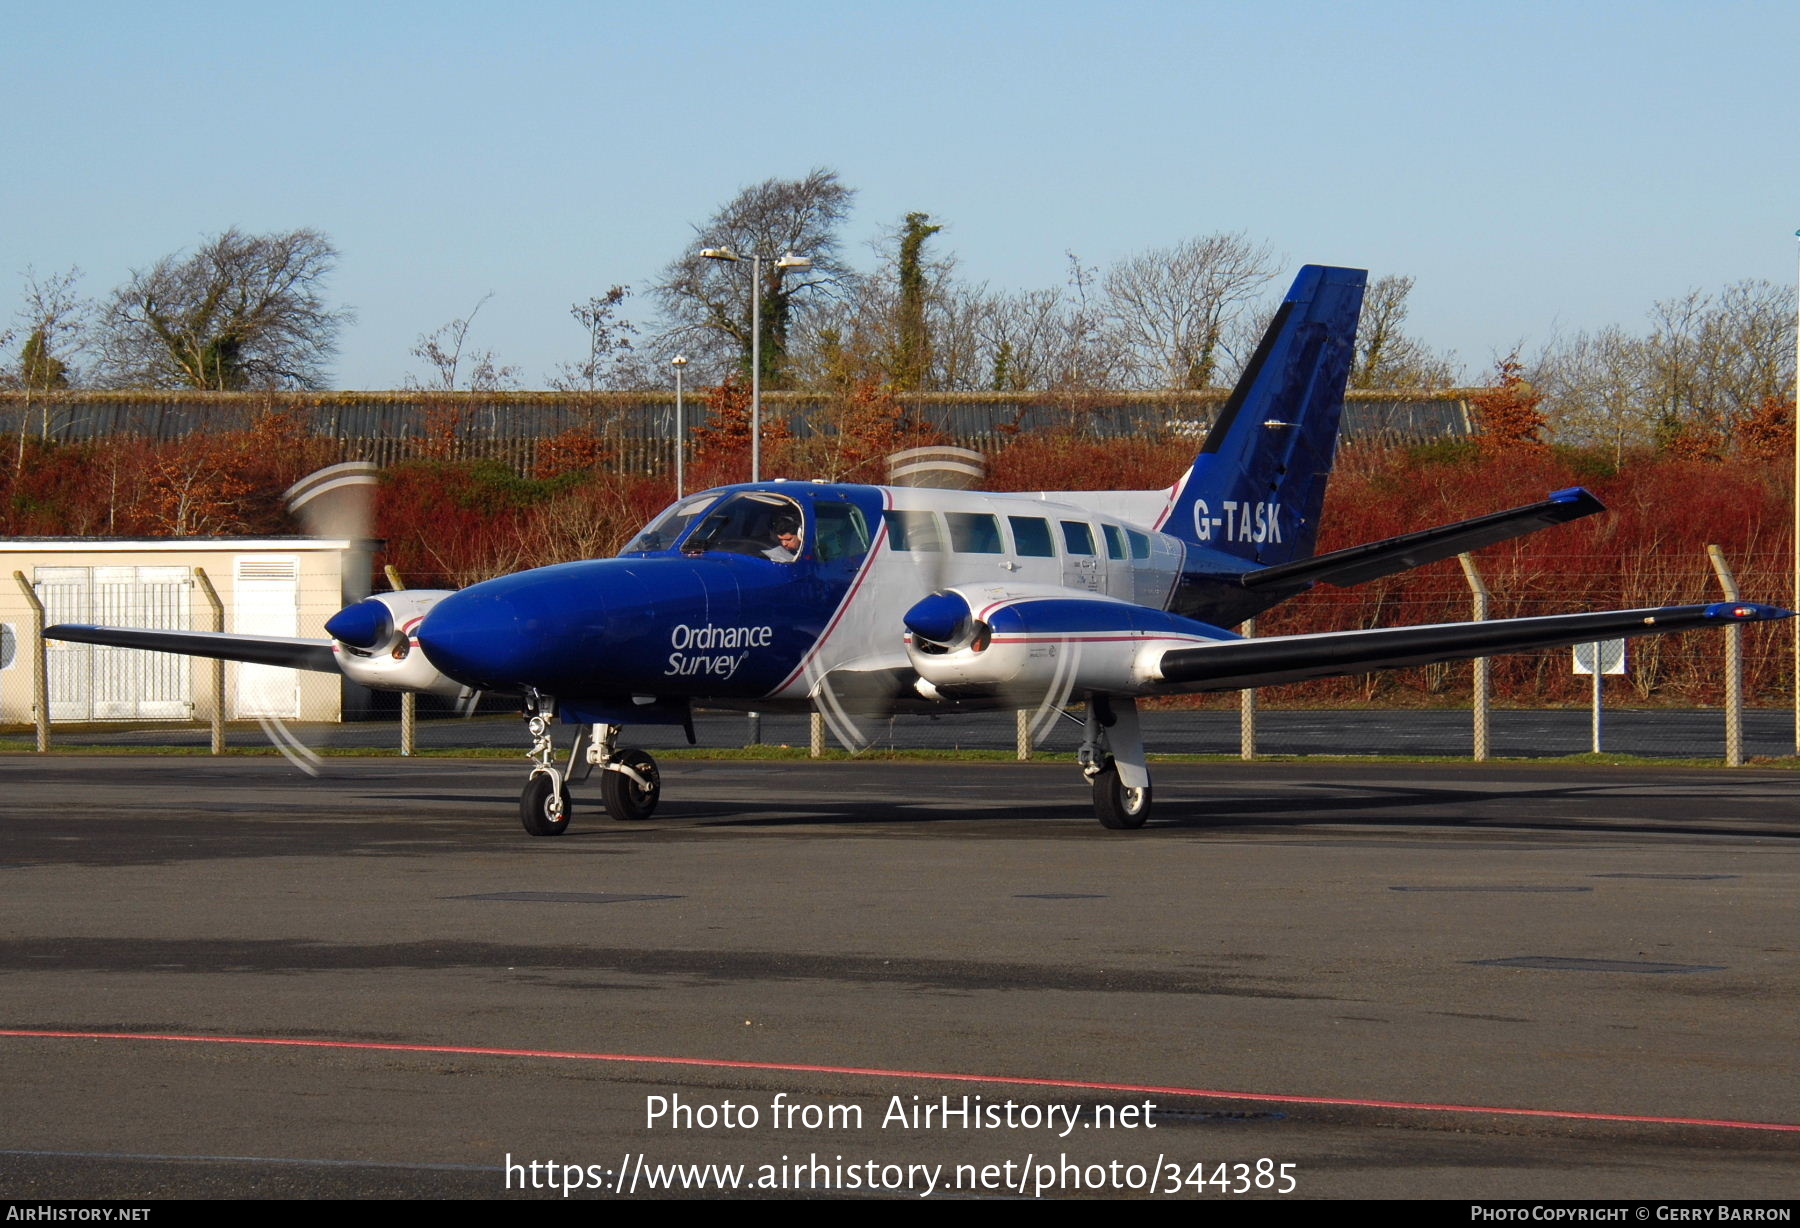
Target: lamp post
x=679, y=362
x=787, y=261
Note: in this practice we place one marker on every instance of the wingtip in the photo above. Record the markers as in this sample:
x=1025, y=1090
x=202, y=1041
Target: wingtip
x=1746, y=612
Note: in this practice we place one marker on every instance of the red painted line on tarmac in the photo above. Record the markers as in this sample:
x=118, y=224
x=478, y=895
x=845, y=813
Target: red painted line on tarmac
x=882, y=1073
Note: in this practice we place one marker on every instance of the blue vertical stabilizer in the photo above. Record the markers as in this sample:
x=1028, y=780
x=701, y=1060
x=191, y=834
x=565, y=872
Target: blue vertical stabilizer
x=1255, y=490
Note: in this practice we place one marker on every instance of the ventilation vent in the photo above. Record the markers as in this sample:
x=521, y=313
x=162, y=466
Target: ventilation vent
x=268, y=569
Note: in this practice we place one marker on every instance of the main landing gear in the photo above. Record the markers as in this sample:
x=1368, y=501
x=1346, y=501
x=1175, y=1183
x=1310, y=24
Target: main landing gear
x=1112, y=759
x=629, y=783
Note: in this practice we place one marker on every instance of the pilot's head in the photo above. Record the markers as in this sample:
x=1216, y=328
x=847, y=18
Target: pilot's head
x=787, y=532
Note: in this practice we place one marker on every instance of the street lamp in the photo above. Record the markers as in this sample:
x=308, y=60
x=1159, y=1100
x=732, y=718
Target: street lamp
x=679, y=362
x=787, y=261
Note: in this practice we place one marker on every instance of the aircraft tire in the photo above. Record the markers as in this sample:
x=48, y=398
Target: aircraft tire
x=1117, y=807
x=535, y=810
x=626, y=800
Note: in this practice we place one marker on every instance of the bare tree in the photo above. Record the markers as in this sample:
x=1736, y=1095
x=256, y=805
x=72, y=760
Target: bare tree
x=1706, y=366
x=54, y=319
x=706, y=301
x=244, y=311
x=1171, y=307
x=1053, y=339
x=442, y=352
x=1386, y=357
x=609, y=346
x=1595, y=391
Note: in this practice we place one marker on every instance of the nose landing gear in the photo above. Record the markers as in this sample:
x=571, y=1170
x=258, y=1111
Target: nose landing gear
x=630, y=783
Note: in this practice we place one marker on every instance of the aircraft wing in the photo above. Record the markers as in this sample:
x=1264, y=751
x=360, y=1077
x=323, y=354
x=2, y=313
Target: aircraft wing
x=1236, y=664
x=1359, y=564
x=292, y=652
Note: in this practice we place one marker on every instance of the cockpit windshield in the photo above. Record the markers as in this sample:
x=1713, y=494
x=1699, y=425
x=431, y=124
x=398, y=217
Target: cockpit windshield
x=663, y=532
x=753, y=522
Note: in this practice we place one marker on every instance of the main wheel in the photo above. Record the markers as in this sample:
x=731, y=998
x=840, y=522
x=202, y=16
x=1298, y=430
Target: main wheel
x=1116, y=806
x=544, y=806
x=626, y=799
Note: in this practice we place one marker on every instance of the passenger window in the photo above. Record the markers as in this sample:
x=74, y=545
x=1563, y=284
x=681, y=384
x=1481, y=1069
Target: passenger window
x=842, y=531
x=1115, y=541
x=913, y=531
x=1031, y=535
x=1077, y=537
x=974, y=533
x=1140, y=544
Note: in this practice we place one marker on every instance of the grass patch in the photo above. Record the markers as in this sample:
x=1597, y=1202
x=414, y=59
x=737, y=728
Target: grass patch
x=765, y=754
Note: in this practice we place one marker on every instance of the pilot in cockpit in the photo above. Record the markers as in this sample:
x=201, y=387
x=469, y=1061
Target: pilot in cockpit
x=787, y=540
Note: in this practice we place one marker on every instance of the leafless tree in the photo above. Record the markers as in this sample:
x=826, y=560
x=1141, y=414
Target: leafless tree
x=1705, y=365
x=54, y=320
x=1171, y=307
x=707, y=303
x=1386, y=356
x=608, y=363
x=442, y=352
x=244, y=311
x=1595, y=391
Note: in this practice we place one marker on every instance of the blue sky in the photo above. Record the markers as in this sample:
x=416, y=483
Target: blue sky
x=1537, y=167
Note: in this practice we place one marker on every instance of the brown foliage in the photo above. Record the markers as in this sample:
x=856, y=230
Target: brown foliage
x=574, y=451
x=721, y=444
x=855, y=435
x=1767, y=432
x=1512, y=419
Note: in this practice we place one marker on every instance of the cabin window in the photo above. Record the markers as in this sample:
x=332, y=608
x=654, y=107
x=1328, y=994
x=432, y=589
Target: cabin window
x=842, y=532
x=1140, y=544
x=1078, y=538
x=1115, y=541
x=913, y=531
x=666, y=529
x=974, y=533
x=1031, y=534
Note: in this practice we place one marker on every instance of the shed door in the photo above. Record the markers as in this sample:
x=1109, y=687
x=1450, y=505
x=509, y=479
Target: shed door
x=267, y=588
x=97, y=682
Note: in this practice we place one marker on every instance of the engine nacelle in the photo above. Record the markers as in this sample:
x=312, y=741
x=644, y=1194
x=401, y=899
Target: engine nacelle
x=1027, y=641
x=376, y=646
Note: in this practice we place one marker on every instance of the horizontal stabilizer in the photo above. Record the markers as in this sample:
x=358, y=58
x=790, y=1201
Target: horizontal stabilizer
x=1359, y=564
x=293, y=653
x=1237, y=664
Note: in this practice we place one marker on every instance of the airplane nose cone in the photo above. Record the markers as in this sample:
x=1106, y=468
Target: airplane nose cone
x=940, y=618
x=363, y=625
x=493, y=636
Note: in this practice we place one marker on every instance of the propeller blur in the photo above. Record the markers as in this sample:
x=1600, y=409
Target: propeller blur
x=868, y=600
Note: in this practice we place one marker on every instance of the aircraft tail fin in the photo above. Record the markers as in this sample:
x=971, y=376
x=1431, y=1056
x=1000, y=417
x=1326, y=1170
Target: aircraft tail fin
x=1255, y=490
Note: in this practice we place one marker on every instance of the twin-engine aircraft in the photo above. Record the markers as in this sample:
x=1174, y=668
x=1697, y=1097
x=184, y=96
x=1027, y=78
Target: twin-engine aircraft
x=859, y=600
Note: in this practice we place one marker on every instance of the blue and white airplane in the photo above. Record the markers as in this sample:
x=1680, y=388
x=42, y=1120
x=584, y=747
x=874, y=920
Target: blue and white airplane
x=795, y=596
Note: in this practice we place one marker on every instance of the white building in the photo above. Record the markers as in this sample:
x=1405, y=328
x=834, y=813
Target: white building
x=268, y=586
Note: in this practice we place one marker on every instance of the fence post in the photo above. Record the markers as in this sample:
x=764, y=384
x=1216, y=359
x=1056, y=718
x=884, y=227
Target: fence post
x=1479, y=592
x=1022, y=734
x=1734, y=665
x=409, y=700
x=216, y=673
x=815, y=735
x=1247, y=709
x=40, y=675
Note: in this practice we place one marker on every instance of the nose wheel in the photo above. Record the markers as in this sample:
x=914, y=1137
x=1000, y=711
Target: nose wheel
x=544, y=805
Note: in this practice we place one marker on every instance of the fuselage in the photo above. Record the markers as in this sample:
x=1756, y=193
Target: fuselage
x=703, y=604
